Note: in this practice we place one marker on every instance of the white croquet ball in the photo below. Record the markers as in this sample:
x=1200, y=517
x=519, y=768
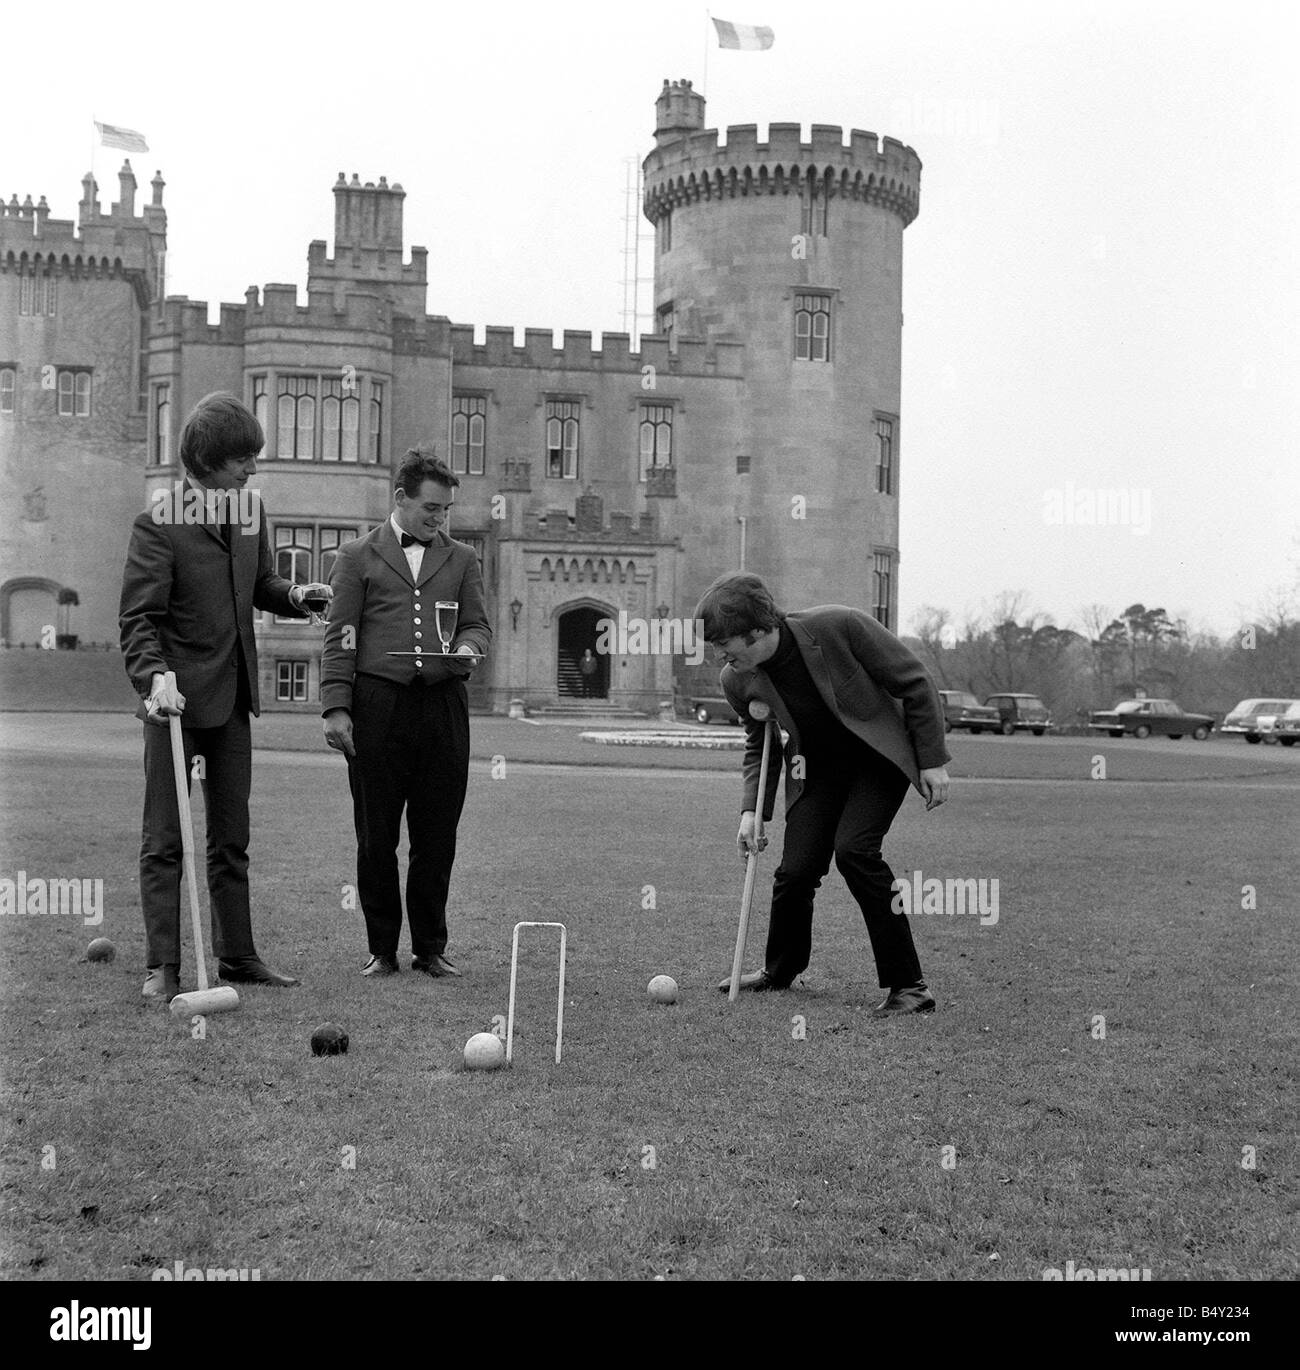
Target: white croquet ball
x=662, y=990
x=484, y=1051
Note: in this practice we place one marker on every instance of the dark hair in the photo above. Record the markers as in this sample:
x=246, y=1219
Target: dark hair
x=416, y=467
x=219, y=427
x=735, y=605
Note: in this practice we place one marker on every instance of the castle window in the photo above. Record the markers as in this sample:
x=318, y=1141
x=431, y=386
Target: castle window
x=296, y=418
x=665, y=319
x=261, y=407
x=8, y=389
x=742, y=465
x=340, y=416
x=656, y=436
x=666, y=231
x=376, y=420
x=160, y=441
x=816, y=204
x=142, y=367
x=882, y=584
x=36, y=294
x=468, y=434
x=293, y=549
x=74, y=394
x=884, y=455
x=291, y=682
x=331, y=539
x=812, y=328
x=562, y=439
x=26, y=292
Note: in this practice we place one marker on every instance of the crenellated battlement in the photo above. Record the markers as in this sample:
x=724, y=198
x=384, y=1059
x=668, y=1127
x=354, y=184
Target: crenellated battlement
x=690, y=166
x=276, y=306
x=690, y=356
x=186, y=321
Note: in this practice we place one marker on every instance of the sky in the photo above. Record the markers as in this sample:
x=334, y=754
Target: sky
x=1099, y=401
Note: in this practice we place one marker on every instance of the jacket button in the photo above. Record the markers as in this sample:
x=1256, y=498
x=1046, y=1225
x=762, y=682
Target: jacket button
x=417, y=620
x=419, y=634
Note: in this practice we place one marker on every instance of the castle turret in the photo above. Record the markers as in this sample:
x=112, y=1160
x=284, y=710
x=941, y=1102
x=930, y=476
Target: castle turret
x=795, y=247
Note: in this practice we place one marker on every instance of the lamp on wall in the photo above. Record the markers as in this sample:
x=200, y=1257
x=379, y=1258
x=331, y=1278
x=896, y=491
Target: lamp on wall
x=516, y=607
x=662, y=611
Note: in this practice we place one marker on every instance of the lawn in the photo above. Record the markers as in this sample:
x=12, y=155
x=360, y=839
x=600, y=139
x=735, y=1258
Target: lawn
x=788, y=1135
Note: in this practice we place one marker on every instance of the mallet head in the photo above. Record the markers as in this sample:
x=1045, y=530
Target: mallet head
x=203, y=1001
x=759, y=711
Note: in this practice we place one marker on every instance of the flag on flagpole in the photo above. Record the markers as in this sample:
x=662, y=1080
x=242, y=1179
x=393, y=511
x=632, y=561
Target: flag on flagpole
x=125, y=138
x=745, y=37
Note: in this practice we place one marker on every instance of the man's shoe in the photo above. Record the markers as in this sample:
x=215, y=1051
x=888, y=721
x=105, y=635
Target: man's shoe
x=912, y=999
x=437, y=966
x=162, y=984
x=754, y=979
x=249, y=970
x=380, y=965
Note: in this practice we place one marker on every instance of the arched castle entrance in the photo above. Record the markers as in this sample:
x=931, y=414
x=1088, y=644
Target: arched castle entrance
x=576, y=629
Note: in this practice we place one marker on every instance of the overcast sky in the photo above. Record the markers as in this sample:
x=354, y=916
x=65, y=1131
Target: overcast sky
x=1099, y=292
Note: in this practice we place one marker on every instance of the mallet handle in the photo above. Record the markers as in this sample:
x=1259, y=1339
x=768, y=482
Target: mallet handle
x=751, y=870
x=187, y=834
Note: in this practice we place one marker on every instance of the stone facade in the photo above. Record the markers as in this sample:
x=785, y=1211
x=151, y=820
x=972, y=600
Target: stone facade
x=594, y=482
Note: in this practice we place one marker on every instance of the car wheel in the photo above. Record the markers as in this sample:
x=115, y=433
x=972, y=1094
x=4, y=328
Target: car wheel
x=1252, y=737
x=1203, y=732
x=1008, y=728
x=1038, y=732
x=1142, y=730
x=1287, y=741
x=702, y=714
x=947, y=727
x=1117, y=732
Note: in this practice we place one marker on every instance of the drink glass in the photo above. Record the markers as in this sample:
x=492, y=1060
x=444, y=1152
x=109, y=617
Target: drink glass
x=444, y=617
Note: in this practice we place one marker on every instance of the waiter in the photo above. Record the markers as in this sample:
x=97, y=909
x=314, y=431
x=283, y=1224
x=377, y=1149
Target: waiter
x=397, y=707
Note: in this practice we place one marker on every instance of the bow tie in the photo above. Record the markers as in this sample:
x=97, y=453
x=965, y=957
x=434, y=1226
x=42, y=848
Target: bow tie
x=409, y=541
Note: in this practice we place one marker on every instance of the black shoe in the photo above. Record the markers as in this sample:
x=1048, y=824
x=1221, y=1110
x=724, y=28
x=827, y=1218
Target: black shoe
x=754, y=979
x=437, y=966
x=249, y=970
x=380, y=965
x=910, y=999
x=162, y=984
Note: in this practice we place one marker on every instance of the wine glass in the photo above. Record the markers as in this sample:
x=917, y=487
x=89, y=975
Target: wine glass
x=316, y=604
x=444, y=617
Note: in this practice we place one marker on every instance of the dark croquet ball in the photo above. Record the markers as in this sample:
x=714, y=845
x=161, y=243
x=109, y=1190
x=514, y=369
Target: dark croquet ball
x=329, y=1040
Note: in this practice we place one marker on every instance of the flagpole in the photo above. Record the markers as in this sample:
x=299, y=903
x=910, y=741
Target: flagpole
x=704, y=85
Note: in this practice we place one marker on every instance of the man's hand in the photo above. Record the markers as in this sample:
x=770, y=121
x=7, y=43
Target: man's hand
x=317, y=588
x=934, y=785
x=338, y=731
x=461, y=668
x=164, y=700
x=745, y=839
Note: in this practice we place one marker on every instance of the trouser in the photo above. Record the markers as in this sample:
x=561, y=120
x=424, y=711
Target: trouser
x=412, y=754
x=226, y=777
x=848, y=801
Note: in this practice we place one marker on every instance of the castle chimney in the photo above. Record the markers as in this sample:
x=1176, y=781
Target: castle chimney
x=679, y=111
x=157, y=184
x=42, y=213
x=126, y=190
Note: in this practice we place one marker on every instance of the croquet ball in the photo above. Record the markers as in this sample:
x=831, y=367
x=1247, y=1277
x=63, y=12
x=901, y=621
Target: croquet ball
x=329, y=1040
x=101, y=949
x=484, y=1051
x=662, y=989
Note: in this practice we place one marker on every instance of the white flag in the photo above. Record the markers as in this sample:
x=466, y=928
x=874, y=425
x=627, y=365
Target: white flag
x=743, y=36
x=125, y=138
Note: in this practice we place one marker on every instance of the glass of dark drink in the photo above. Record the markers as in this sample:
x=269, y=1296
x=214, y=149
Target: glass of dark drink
x=316, y=602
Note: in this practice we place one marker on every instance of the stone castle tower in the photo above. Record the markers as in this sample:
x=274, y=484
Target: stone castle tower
x=795, y=249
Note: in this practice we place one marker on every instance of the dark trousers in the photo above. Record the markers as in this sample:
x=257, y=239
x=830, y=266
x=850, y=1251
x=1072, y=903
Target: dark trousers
x=848, y=801
x=412, y=754
x=227, y=754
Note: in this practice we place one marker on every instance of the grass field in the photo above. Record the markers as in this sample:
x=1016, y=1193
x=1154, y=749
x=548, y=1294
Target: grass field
x=789, y=1135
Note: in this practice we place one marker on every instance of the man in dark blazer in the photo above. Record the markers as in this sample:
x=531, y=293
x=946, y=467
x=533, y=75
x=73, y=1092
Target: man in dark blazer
x=398, y=710
x=198, y=564
x=864, y=723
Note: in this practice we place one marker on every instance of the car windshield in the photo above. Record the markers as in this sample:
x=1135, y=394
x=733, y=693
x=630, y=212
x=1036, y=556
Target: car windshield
x=1029, y=702
x=967, y=701
x=1129, y=706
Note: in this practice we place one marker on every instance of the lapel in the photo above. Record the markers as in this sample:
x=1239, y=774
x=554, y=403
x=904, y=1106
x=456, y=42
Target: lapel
x=811, y=652
x=435, y=557
x=211, y=527
x=388, y=547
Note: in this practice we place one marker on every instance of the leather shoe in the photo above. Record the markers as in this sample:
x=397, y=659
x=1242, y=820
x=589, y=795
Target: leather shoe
x=250, y=970
x=911, y=999
x=380, y=965
x=162, y=984
x=753, y=979
x=437, y=966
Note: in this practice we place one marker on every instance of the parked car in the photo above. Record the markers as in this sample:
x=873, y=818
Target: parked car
x=1287, y=727
x=1255, y=719
x=962, y=710
x=1142, y=717
x=1020, y=713
x=708, y=707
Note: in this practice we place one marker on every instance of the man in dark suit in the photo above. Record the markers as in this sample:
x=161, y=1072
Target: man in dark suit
x=398, y=710
x=198, y=564
x=864, y=722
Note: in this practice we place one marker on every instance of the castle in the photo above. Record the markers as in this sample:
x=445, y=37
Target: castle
x=758, y=426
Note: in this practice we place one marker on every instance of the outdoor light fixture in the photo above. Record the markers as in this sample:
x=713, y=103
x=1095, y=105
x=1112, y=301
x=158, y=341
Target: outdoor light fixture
x=516, y=606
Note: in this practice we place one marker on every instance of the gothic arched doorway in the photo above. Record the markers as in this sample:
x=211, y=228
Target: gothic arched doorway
x=578, y=632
